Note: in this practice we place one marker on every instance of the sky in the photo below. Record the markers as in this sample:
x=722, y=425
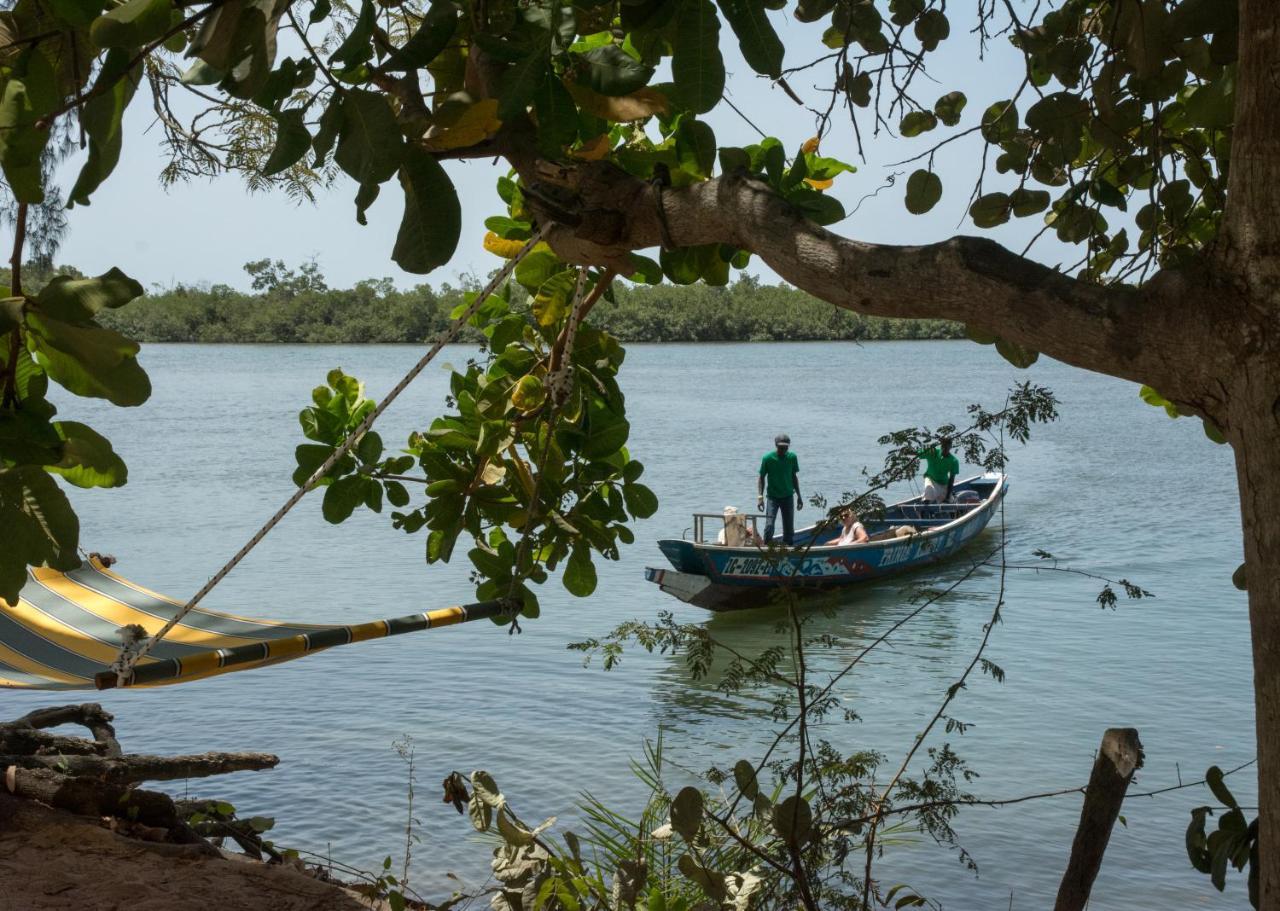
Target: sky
x=203, y=232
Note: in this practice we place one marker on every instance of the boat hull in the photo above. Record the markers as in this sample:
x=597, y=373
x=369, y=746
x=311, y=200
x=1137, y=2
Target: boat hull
x=721, y=578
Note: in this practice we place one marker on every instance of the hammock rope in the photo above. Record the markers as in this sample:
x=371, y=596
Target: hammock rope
x=130, y=655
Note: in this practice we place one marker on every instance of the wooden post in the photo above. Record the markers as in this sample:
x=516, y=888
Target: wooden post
x=1118, y=758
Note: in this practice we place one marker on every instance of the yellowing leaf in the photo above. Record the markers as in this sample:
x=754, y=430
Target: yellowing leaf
x=810, y=145
x=639, y=105
x=473, y=126
x=529, y=394
x=594, y=149
x=819, y=184
x=554, y=298
x=499, y=247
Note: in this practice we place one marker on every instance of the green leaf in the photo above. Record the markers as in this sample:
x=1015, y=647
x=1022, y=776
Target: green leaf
x=611, y=71
x=858, y=88
x=397, y=493
x=21, y=143
x=370, y=145
x=579, y=573
x=710, y=881
x=917, y=122
x=77, y=13
x=357, y=47
x=432, y=215
x=695, y=147
x=1239, y=579
x=607, y=431
x=41, y=529
x=88, y=360
x=330, y=123
x=924, y=189
x=793, y=819
x=76, y=300
x=366, y=195
x=744, y=774
x=132, y=24
x=1026, y=202
x=686, y=813
x=342, y=497
x=1156, y=400
x=990, y=210
x=1214, y=779
x=292, y=142
x=557, y=119
x=437, y=28
x=949, y=106
x=980, y=335
x=641, y=501
x=87, y=458
x=1212, y=106
x=519, y=84
x=12, y=312
x=999, y=122
x=102, y=118
x=697, y=68
x=1015, y=354
x=369, y=449
x=554, y=296
x=932, y=28
x=310, y=456
x=645, y=270
x=537, y=267
x=761, y=47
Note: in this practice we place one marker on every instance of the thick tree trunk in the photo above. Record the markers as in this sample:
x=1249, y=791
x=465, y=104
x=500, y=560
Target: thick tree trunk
x=1251, y=255
x=1256, y=439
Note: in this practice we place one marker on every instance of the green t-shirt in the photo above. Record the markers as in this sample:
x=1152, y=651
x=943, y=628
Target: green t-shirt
x=939, y=468
x=779, y=473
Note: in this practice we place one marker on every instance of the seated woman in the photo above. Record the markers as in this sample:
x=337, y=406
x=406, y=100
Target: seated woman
x=852, y=531
x=736, y=531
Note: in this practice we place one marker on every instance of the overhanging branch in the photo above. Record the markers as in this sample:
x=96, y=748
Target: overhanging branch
x=1160, y=334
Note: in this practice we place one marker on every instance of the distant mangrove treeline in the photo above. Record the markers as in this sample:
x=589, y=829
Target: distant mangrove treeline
x=288, y=305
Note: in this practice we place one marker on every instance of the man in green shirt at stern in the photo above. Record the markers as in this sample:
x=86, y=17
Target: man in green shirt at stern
x=940, y=470
x=778, y=483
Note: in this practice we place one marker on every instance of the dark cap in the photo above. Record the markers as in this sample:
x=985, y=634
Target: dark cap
x=782, y=440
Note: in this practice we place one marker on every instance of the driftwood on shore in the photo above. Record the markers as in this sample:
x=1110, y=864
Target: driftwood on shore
x=95, y=777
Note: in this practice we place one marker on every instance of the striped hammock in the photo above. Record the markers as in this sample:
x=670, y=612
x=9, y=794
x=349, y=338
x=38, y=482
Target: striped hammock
x=63, y=633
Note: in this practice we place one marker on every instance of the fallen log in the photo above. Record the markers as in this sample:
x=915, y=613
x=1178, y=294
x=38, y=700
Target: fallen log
x=142, y=767
x=27, y=734
x=96, y=778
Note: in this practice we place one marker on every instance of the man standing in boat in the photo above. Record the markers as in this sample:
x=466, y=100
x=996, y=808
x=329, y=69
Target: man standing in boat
x=940, y=470
x=779, y=481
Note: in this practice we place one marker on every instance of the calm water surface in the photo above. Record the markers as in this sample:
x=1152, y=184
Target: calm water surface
x=1114, y=487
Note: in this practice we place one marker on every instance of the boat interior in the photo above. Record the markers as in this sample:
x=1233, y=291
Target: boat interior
x=914, y=514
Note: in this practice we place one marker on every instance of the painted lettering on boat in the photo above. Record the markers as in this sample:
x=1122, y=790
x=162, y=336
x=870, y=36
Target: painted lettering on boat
x=763, y=567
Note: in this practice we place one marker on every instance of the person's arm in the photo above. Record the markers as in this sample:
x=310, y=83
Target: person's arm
x=795, y=482
x=860, y=534
x=760, y=492
x=951, y=477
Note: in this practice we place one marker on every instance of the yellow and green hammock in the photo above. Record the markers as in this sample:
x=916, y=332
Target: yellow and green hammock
x=63, y=634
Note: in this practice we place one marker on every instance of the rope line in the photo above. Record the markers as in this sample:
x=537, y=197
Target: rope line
x=124, y=663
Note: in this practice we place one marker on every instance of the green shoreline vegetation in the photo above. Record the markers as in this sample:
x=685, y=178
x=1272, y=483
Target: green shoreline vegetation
x=289, y=305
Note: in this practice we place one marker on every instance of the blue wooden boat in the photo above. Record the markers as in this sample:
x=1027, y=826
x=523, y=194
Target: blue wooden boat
x=907, y=535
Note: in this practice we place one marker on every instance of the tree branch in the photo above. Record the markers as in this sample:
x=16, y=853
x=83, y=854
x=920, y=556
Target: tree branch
x=1158, y=335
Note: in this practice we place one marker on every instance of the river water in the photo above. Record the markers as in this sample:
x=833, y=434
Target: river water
x=1114, y=488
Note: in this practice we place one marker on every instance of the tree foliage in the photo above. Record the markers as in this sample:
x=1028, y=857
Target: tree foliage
x=1124, y=103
